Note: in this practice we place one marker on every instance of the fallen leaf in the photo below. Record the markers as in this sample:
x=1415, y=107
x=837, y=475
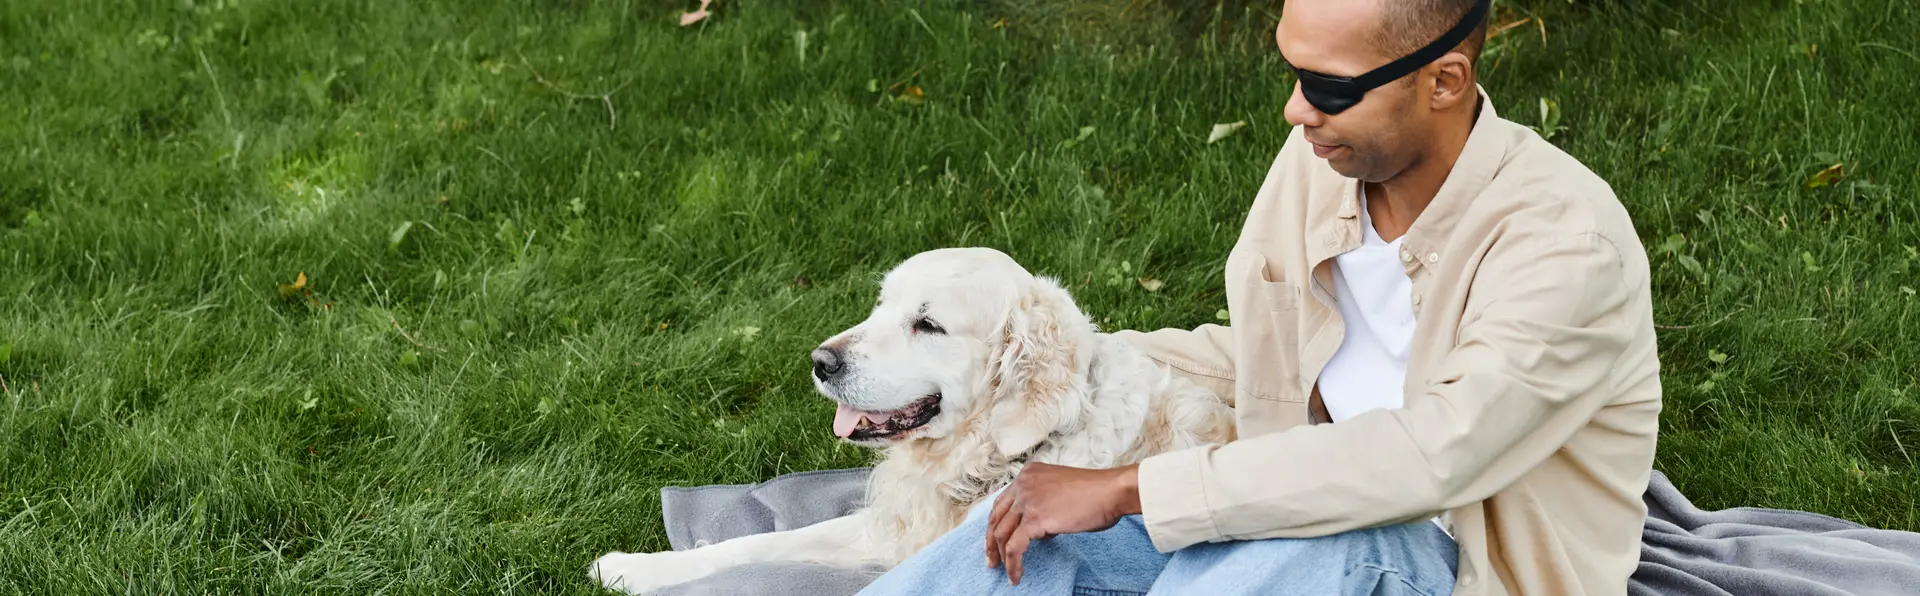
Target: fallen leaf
x=409, y=358
x=1221, y=131
x=912, y=95
x=689, y=18
x=294, y=289
x=802, y=282
x=1151, y=284
x=1549, y=119
x=545, y=406
x=398, y=237
x=747, y=333
x=1692, y=265
x=1223, y=315
x=1085, y=131
x=1812, y=265
x=1718, y=357
x=1673, y=244
x=1827, y=176
x=1903, y=289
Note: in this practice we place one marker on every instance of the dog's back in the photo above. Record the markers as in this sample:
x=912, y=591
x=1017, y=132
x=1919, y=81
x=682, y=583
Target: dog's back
x=1139, y=409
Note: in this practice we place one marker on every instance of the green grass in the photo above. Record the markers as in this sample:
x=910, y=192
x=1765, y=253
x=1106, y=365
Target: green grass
x=580, y=279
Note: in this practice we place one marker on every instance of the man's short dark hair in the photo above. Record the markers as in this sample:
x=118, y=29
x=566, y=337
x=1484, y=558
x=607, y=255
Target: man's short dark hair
x=1409, y=25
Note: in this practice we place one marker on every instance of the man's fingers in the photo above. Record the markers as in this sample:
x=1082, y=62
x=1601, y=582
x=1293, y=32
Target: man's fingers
x=1001, y=505
x=1016, y=552
x=1001, y=529
x=997, y=536
x=993, y=549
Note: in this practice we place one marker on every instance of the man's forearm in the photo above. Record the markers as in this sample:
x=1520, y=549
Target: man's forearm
x=1128, y=479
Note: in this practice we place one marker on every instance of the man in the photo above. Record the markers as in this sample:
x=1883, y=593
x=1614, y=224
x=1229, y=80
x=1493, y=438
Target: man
x=1441, y=357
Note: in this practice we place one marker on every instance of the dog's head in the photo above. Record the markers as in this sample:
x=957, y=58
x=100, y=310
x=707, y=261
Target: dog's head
x=959, y=338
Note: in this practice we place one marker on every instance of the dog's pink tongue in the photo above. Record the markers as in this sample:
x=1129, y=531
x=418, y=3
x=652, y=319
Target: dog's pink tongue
x=844, y=420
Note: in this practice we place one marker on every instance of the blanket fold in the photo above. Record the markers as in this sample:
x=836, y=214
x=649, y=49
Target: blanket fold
x=1764, y=552
x=1685, y=551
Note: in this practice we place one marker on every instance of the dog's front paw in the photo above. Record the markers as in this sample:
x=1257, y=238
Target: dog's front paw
x=645, y=573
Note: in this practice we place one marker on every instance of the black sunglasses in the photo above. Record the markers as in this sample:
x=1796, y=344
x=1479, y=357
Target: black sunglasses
x=1333, y=95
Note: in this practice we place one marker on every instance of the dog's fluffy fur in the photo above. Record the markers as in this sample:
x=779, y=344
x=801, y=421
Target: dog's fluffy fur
x=1019, y=374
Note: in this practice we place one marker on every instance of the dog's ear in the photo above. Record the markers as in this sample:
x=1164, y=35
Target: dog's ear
x=1039, y=380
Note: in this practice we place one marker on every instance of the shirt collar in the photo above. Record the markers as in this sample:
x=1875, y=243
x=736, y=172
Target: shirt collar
x=1482, y=157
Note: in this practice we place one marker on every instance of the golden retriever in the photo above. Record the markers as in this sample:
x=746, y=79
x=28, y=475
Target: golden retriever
x=967, y=368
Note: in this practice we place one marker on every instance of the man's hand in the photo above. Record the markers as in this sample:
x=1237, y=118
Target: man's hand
x=1048, y=500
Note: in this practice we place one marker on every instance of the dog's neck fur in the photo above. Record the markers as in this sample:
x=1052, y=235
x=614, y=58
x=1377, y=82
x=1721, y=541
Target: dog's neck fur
x=922, y=488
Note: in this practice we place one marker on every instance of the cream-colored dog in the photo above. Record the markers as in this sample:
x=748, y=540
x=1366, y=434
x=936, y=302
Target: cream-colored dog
x=968, y=368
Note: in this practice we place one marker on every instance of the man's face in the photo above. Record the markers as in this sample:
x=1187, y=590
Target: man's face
x=1381, y=136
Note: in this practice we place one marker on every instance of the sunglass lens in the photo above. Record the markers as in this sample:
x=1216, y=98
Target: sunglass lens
x=1329, y=99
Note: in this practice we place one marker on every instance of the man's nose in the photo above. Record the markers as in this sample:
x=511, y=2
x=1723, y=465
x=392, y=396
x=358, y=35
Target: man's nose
x=826, y=363
x=1301, y=113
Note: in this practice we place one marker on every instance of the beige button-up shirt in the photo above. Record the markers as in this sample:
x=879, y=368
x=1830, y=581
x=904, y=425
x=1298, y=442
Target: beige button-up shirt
x=1532, y=394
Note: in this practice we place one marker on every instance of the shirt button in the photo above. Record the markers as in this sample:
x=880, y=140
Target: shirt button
x=1433, y=257
x=1416, y=299
x=1406, y=256
x=1466, y=577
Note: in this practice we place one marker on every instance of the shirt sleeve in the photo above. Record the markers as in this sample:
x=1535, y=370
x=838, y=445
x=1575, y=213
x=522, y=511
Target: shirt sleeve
x=1529, y=370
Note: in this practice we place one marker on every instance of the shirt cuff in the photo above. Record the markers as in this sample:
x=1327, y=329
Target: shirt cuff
x=1173, y=499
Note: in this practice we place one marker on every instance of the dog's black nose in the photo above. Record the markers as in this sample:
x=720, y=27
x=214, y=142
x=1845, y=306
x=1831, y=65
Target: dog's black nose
x=826, y=363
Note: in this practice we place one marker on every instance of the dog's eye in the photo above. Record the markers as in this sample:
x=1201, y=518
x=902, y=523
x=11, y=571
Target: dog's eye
x=925, y=325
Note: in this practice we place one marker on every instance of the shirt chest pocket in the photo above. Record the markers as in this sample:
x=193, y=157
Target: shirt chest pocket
x=1265, y=308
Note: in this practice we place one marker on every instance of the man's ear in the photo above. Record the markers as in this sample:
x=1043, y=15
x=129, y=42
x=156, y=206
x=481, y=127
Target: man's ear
x=1453, y=82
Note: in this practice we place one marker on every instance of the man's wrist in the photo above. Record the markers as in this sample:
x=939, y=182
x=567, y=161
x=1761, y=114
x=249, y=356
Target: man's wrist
x=1128, y=479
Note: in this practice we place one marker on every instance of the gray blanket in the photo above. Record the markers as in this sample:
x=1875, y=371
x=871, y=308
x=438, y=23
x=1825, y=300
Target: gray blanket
x=1684, y=551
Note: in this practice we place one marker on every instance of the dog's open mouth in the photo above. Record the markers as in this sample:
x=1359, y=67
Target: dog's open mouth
x=859, y=425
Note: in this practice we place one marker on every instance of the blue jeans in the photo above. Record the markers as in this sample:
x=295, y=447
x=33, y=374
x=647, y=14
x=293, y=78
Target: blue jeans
x=1416, y=559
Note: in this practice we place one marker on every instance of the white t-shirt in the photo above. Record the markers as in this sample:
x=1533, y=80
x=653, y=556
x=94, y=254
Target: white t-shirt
x=1375, y=294
x=1369, y=371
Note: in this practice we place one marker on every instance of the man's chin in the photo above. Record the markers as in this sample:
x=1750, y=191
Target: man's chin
x=1344, y=165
